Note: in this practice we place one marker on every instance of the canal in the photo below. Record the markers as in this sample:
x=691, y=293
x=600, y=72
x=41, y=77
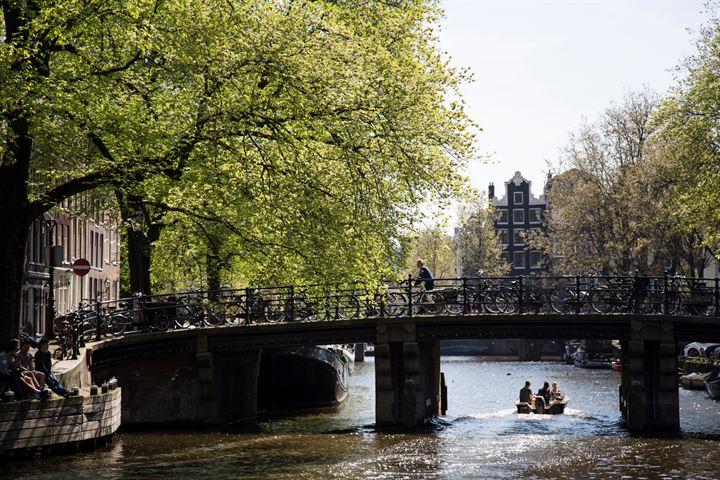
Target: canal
x=481, y=437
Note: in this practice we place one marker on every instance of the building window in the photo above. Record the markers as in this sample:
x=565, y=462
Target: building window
x=505, y=256
x=504, y=237
x=518, y=198
x=518, y=215
x=535, y=259
x=502, y=216
x=518, y=237
x=535, y=215
x=519, y=260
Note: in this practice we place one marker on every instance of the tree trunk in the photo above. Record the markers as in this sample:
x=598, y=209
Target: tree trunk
x=15, y=218
x=12, y=273
x=139, y=258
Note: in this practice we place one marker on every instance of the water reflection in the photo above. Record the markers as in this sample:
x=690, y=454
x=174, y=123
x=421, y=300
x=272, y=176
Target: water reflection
x=482, y=437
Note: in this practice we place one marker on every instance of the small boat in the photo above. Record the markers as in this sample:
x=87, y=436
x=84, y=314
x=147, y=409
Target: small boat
x=694, y=381
x=586, y=359
x=555, y=407
x=712, y=384
x=616, y=365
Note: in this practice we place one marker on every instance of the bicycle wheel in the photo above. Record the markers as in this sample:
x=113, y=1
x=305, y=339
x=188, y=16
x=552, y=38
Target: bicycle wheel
x=455, y=306
x=117, y=324
x=348, y=307
x=507, y=301
x=562, y=300
x=489, y=302
x=161, y=323
x=396, y=304
x=185, y=315
x=431, y=303
x=602, y=300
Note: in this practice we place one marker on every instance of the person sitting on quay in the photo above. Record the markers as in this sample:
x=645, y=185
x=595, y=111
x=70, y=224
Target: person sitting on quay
x=43, y=363
x=526, y=394
x=24, y=361
x=555, y=393
x=544, y=392
x=13, y=376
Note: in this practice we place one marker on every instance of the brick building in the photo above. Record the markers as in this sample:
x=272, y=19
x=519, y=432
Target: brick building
x=59, y=239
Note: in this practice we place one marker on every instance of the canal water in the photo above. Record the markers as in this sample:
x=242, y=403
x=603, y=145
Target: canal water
x=481, y=437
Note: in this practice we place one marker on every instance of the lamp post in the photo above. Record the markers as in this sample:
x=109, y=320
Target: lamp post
x=54, y=254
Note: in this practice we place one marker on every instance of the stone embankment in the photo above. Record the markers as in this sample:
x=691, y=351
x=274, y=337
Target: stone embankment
x=54, y=425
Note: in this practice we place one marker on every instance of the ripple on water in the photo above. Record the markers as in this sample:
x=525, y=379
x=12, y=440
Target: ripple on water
x=482, y=437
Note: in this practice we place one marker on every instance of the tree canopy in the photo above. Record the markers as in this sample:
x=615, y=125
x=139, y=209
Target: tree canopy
x=292, y=138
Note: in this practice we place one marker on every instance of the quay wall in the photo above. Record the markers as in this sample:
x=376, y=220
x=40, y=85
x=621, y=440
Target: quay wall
x=48, y=425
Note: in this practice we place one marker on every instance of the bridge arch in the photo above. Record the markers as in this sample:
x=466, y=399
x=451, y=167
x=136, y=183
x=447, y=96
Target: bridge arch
x=209, y=376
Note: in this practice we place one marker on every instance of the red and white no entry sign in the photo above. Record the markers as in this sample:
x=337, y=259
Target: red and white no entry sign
x=81, y=267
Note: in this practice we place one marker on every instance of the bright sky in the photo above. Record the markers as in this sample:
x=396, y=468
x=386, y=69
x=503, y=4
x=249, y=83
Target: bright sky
x=541, y=66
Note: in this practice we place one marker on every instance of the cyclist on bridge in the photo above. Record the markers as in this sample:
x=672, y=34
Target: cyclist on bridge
x=425, y=276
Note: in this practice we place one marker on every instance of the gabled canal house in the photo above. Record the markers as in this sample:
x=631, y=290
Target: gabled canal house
x=519, y=213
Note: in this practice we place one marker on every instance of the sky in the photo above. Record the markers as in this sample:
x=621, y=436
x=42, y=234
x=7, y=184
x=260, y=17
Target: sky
x=540, y=67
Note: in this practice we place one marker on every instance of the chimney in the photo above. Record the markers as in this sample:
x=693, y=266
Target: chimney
x=491, y=191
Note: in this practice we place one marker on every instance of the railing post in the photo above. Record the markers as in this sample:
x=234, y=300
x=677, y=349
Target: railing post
x=465, y=295
x=76, y=340
x=717, y=296
x=520, y=295
x=577, y=294
x=80, y=330
x=98, y=321
x=409, y=295
x=666, y=305
x=337, y=301
x=291, y=310
x=382, y=296
x=248, y=306
x=636, y=293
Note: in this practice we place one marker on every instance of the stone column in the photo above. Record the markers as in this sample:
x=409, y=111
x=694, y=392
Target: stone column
x=648, y=391
x=407, y=377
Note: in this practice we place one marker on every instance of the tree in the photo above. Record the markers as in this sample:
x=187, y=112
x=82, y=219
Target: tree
x=434, y=247
x=688, y=144
x=603, y=212
x=477, y=243
x=341, y=103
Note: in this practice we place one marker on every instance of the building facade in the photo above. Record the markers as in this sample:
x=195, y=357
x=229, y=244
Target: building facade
x=519, y=214
x=54, y=243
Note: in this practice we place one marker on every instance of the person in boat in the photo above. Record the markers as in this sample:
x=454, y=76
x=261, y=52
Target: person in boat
x=526, y=394
x=545, y=392
x=555, y=393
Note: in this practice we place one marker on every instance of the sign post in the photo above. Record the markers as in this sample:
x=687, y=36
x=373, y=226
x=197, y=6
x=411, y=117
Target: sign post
x=81, y=267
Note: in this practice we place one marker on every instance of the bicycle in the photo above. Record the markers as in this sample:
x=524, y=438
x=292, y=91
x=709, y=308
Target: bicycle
x=422, y=301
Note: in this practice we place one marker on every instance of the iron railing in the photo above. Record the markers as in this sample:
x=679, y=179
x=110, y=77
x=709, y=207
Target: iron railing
x=574, y=295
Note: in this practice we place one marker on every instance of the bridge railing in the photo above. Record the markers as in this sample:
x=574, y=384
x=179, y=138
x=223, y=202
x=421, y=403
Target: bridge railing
x=576, y=295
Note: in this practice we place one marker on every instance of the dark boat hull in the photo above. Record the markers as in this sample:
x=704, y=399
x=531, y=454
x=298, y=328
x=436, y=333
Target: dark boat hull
x=712, y=385
x=553, y=408
x=302, y=378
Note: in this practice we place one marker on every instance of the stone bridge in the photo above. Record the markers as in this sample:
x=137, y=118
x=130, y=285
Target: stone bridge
x=209, y=375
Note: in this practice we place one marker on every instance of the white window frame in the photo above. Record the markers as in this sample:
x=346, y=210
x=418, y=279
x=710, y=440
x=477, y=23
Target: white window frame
x=518, y=255
x=522, y=211
x=515, y=196
x=507, y=216
x=539, y=215
x=539, y=263
x=506, y=232
x=515, y=232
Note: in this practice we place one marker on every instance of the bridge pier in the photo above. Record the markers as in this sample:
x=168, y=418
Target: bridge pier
x=407, y=378
x=648, y=391
x=201, y=388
